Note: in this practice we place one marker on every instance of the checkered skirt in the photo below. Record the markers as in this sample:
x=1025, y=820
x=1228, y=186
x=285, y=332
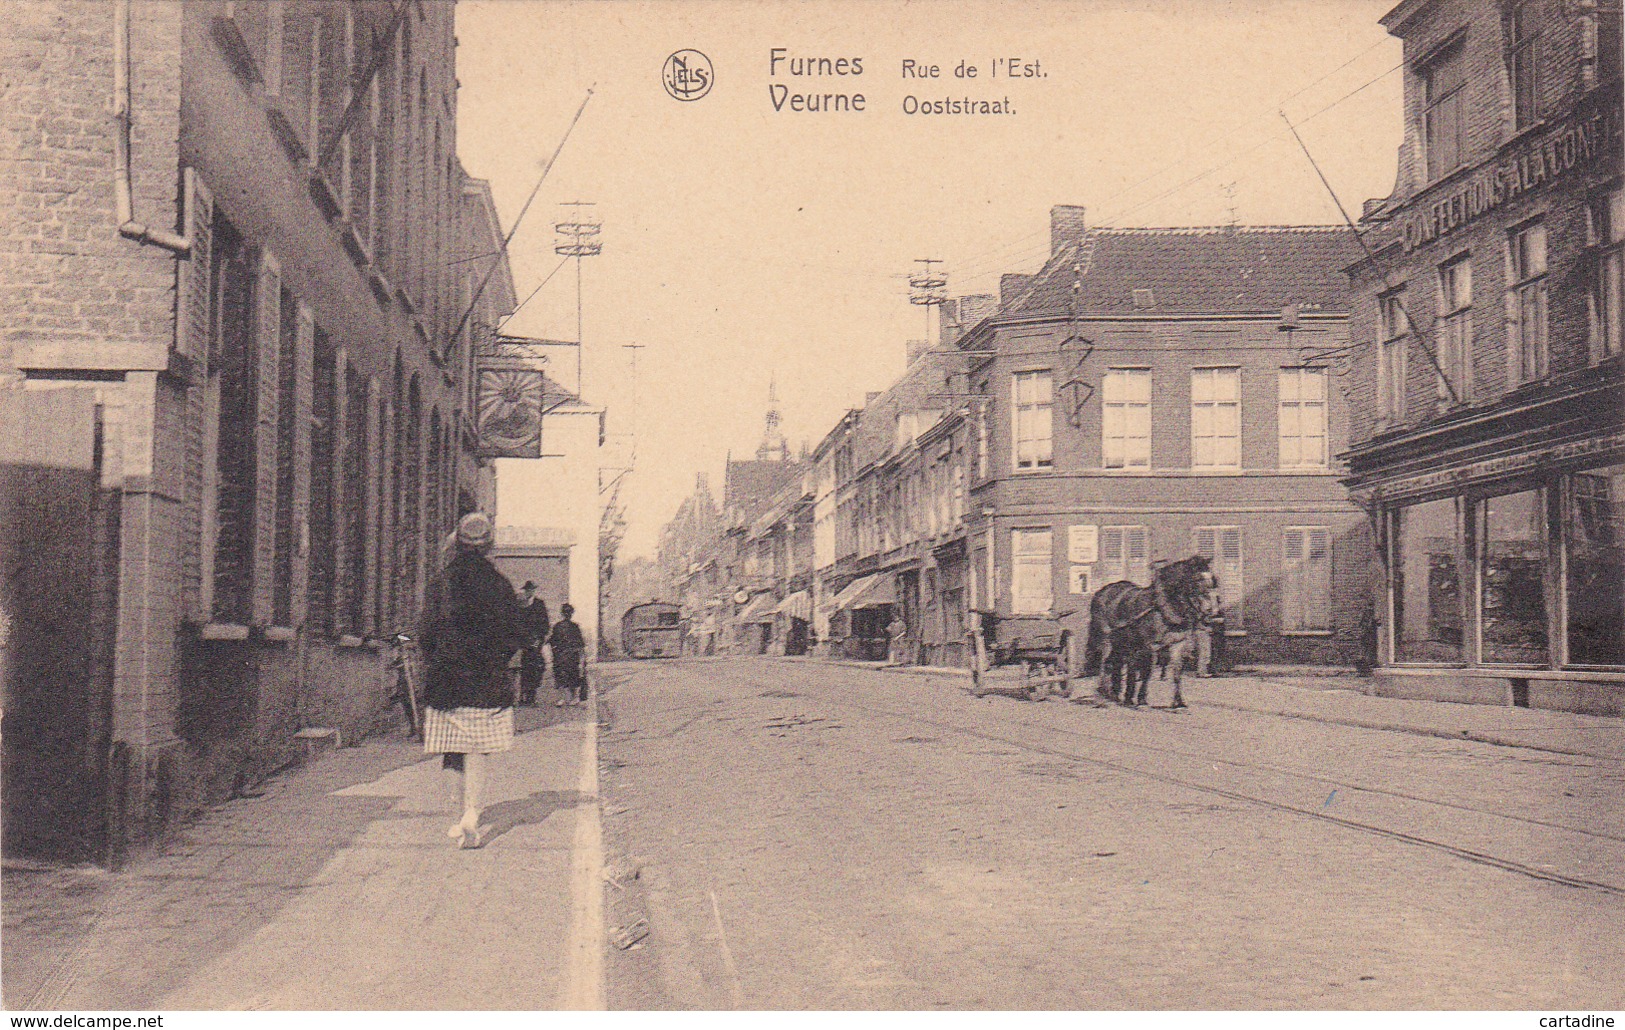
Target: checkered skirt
x=477, y=731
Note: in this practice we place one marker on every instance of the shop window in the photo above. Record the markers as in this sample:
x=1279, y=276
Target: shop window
x=1444, y=115
x=1607, y=239
x=1123, y=554
x=1221, y=546
x=1526, y=303
x=1595, y=527
x=1216, y=418
x=1306, y=580
x=1455, y=330
x=1512, y=599
x=1427, y=582
x=1126, y=418
x=1523, y=63
x=1302, y=419
x=1030, y=586
x=1392, y=351
x=1035, y=420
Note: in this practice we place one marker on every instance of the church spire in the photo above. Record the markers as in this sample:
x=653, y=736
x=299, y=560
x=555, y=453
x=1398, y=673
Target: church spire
x=773, y=447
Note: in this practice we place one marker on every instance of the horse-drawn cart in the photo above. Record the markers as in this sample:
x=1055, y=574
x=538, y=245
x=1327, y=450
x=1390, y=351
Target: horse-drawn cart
x=1029, y=657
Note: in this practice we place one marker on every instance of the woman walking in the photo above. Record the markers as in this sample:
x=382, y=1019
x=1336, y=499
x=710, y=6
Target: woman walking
x=472, y=629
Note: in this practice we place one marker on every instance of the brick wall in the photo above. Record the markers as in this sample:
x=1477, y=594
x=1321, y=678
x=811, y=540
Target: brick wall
x=65, y=273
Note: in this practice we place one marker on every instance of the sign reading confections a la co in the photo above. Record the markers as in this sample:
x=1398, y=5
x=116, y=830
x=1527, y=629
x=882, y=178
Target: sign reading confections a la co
x=1530, y=164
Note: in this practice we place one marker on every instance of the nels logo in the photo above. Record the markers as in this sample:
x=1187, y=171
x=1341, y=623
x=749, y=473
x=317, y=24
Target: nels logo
x=688, y=75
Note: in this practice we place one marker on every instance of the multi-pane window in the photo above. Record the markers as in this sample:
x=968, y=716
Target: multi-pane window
x=1607, y=238
x=1216, y=418
x=1031, y=583
x=1034, y=422
x=1126, y=418
x=1393, y=348
x=1303, y=418
x=1306, y=579
x=1455, y=330
x=1526, y=302
x=1444, y=120
x=1523, y=63
x=1221, y=546
x=1123, y=554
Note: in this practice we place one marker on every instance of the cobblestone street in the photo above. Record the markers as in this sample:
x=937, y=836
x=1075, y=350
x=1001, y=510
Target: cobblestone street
x=817, y=837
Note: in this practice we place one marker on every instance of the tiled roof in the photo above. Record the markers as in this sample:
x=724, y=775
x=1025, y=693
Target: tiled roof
x=1199, y=270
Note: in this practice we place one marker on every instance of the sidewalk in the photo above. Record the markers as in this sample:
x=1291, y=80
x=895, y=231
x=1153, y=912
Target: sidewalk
x=1338, y=699
x=337, y=888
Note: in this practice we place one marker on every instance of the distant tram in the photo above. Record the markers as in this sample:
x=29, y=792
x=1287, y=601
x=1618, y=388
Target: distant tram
x=652, y=630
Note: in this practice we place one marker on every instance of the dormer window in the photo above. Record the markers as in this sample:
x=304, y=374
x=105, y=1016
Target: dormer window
x=1523, y=63
x=1444, y=117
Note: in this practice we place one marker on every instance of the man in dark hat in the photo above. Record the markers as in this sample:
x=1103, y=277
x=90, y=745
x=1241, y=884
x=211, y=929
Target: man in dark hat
x=532, y=663
x=569, y=658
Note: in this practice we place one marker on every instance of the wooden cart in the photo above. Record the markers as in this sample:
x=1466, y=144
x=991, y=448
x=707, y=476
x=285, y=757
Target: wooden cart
x=1039, y=657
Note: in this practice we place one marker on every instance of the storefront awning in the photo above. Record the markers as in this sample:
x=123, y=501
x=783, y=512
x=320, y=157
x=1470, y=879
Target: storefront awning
x=798, y=606
x=868, y=592
x=760, y=609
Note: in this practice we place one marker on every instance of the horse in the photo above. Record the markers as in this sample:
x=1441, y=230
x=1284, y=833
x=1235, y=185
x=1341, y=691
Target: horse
x=1166, y=613
x=1133, y=652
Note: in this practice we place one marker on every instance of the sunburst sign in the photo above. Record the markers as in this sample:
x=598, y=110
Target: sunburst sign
x=510, y=413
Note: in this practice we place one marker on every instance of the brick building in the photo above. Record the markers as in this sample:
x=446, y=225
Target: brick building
x=232, y=324
x=1488, y=428
x=1154, y=393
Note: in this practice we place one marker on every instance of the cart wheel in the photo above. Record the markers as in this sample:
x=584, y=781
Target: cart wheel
x=978, y=664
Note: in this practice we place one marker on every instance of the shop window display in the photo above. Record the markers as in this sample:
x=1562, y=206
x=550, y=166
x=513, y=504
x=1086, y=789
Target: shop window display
x=1427, y=583
x=1513, y=585
x=1595, y=516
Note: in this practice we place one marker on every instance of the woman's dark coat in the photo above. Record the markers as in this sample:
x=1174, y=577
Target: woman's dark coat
x=472, y=628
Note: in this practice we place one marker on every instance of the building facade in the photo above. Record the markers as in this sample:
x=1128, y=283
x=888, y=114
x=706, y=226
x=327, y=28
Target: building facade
x=1488, y=437
x=1156, y=393
x=236, y=345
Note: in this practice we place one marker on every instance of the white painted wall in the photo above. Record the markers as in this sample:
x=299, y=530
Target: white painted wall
x=559, y=491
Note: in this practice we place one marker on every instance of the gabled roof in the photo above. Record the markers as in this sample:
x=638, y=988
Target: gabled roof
x=1227, y=269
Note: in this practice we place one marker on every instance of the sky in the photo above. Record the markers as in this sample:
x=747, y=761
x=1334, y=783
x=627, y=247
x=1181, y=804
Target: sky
x=744, y=243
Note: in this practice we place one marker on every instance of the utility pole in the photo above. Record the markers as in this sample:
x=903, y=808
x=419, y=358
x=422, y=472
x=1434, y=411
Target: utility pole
x=929, y=289
x=578, y=237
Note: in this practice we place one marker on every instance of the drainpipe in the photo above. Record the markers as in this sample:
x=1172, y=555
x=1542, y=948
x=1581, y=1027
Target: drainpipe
x=128, y=226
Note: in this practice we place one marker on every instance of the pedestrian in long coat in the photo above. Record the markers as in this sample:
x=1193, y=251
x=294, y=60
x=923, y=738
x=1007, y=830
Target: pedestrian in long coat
x=569, y=658
x=472, y=627
x=532, y=664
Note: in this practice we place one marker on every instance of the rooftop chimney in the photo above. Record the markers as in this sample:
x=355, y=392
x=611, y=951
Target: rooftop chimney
x=1066, y=225
x=1011, y=284
x=915, y=349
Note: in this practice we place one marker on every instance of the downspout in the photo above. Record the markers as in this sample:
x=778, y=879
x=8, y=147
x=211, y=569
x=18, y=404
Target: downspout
x=128, y=226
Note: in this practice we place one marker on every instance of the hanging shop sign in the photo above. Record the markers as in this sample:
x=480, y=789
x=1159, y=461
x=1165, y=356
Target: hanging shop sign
x=510, y=412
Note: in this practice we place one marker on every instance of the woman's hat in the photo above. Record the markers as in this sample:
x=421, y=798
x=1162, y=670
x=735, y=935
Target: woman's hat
x=568, y=609
x=530, y=584
x=475, y=529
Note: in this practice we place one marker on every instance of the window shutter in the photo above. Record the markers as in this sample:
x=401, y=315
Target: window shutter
x=1204, y=544
x=192, y=327
x=304, y=379
x=1318, y=585
x=1137, y=563
x=268, y=343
